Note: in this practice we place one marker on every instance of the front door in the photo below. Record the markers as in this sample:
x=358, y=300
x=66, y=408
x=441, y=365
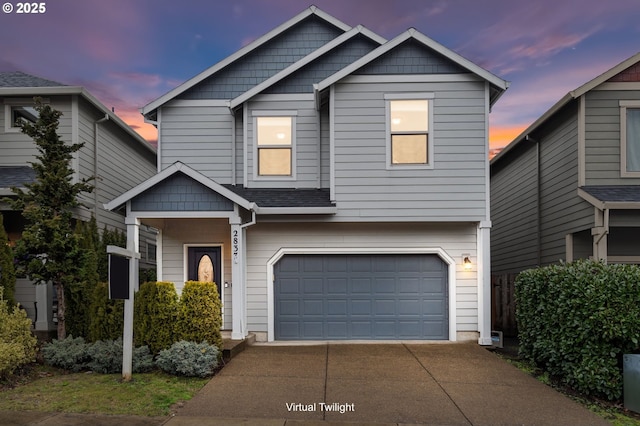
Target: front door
x=204, y=264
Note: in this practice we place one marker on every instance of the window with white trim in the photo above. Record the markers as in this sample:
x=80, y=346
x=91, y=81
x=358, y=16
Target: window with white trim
x=274, y=145
x=630, y=138
x=14, y=113
x=409, y=130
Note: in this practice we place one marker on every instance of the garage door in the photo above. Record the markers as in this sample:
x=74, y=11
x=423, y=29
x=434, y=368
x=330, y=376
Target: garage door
x=326, y=297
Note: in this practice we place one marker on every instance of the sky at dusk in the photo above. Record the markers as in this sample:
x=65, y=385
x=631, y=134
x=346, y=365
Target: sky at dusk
x=128, y=53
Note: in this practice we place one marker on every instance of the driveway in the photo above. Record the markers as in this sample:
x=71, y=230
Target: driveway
x=443, y=384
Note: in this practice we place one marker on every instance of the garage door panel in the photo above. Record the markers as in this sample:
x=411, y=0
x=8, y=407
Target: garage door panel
x=322, y=297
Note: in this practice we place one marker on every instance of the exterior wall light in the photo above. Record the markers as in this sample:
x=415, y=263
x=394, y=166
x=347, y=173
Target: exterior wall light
x=466, y=262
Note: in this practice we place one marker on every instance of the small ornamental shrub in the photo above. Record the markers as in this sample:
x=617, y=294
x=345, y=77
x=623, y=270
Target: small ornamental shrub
x=106, y=316
x=576, y=321
x=189, y=359
x=200, y=314
x=106, y=357
x=70, y=354
x=17, y=343
x=156, y=311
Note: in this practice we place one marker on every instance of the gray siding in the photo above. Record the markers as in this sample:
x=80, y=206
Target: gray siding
x=17, y=149
x=305, y=161
x=265, y=61
x=516, y=244
x=514, y=217
x=602, y=134
x=180, y=193
x=453, y=190
x=199, y=136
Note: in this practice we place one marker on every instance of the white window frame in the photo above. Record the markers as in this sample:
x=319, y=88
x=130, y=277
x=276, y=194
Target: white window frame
x=624, y=105
x=9, y=104
x=256, y=160
x=429, y=97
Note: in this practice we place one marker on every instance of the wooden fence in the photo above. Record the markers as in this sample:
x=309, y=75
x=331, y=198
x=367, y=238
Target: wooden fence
x=503, y=304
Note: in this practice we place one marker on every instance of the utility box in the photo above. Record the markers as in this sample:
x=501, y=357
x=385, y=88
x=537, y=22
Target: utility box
x=497, y=340
x=631, y=375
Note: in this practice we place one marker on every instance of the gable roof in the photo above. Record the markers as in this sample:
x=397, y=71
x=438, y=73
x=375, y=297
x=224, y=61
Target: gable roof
x=18, y=83
x=574, y=94
x=499, y=84
x=304, y=61
x=313, y=10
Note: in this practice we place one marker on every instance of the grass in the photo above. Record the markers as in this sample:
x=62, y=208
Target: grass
x=148, y=394
x=615, y=414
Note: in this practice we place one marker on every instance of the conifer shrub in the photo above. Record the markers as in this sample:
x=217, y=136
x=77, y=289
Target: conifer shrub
x=576, y=321
x=106, y=315
x=70, y=353
x=189, y=359
x=200, y=314
x=106, y=357
x=17, y=343
x=155, y=315
x=7, y=269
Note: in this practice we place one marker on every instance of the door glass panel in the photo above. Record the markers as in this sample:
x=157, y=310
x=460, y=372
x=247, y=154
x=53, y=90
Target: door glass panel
x=205, y=269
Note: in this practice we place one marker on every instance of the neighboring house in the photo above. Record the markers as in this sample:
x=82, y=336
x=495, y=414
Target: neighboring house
x=569, y=186
x=332, y=182
x=116, y=155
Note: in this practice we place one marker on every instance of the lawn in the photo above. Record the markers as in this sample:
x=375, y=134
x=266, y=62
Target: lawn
x=148, y=394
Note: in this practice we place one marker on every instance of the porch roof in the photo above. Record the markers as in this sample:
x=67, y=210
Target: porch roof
x=612, y=196
x=15, y=176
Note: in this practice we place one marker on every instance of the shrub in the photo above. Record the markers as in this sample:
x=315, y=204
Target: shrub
x=576, y=320
x=106, y=357
x=17, y=343
x=156, y=311
x=70, y=354
x=7, y=269
x=106, y=316
x=200, y=314
x=189, y=359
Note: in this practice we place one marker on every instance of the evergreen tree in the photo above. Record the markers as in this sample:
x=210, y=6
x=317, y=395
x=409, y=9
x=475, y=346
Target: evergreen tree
x=7, y=270
x=49, y=250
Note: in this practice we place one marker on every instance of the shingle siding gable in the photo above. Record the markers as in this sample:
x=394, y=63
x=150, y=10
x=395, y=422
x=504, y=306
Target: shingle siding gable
x=411, y=58
x=302, y=80
x=265, y=61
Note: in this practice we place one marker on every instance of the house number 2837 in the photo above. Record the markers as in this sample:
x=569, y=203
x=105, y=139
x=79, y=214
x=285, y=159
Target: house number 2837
x=236, y=248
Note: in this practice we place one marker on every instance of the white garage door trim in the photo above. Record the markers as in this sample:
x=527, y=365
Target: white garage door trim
x=362, y=250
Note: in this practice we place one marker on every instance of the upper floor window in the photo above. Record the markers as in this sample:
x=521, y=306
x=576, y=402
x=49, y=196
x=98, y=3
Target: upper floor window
x=409, y=135
x=274, y=145
x=14, y=113
x=630, y=138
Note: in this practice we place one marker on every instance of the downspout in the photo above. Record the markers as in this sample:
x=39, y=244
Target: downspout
x=96, y=146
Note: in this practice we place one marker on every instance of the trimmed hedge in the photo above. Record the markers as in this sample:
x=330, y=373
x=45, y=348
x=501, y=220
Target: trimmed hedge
x=154, y=319
x=576, y=320
x=106, y=316
x=200, y=314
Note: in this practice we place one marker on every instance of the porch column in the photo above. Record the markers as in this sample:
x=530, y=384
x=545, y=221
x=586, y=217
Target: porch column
x=484, y=283
x=133, y=245
x=238, y=326
x=599, y=233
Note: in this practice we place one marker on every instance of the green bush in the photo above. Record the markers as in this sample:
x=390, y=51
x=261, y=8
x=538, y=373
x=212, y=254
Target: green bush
x=70, y=354
x=200, y=314
x=189, y=359
x=7, y=269
x=106, y=357
x=106, y=316
x=156, y=311
x=577, y=319
x=17, y=343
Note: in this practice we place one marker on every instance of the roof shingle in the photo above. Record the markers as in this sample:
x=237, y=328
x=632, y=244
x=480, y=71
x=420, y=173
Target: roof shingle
x=21, y=79
x=614, y=193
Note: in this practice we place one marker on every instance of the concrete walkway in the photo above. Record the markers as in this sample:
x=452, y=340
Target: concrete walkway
x=346, y=384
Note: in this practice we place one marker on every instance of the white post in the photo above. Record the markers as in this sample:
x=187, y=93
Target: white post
x=133, y=244
x=484, y=283
x=237, y=279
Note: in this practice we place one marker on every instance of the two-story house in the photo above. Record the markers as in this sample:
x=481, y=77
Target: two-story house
x=116, y=155
x=335, y=184
x=569, y=186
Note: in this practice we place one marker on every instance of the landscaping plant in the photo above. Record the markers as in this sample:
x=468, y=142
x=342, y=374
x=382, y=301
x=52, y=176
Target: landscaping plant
x=189, y=359
x=155, y=314
x=576, y=321
x=17, y=343
x=200, y=313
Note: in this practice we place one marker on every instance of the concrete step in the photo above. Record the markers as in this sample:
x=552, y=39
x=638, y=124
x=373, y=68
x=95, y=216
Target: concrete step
x=232, y=347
